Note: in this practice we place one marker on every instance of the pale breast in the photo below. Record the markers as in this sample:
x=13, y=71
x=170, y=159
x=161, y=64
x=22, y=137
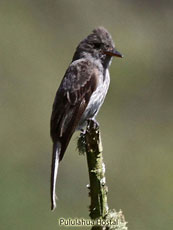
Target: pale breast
x=96, y=99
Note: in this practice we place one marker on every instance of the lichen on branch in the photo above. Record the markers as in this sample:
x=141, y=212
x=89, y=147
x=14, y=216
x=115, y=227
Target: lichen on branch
x=90, y=143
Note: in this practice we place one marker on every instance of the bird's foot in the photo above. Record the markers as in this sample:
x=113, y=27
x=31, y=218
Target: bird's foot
x=82, y=132
x=93, y=123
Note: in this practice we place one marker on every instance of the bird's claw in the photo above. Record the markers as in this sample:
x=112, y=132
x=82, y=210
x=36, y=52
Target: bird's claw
x=93, y=123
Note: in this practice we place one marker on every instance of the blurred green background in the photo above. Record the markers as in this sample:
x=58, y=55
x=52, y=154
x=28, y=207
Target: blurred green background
x=38, y=39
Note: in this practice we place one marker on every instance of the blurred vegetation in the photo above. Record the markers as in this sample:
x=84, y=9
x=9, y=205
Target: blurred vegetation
x=37, y=42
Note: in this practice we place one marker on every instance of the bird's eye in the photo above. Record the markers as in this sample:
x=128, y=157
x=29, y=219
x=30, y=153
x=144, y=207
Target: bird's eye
x=97, y=45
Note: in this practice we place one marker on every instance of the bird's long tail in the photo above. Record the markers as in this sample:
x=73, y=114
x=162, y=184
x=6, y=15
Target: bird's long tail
x=54, y=172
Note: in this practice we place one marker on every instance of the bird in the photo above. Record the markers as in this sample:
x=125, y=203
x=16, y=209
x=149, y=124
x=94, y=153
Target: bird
x=80, y=95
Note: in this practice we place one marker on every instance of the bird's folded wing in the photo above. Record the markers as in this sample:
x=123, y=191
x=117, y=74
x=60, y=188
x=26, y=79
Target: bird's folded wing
x=72, y=98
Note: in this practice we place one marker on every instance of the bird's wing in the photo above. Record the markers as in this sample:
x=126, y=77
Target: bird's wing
x=71, y=100
x=77, y=86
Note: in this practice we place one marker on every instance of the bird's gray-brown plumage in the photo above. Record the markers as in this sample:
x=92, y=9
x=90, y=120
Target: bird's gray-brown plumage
x=81, y=93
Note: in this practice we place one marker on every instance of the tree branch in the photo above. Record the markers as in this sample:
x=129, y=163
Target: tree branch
x=90, y=143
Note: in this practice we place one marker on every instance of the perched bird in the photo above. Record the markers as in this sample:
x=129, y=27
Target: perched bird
x=80, y=94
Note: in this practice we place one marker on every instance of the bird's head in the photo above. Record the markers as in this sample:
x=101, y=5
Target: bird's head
x=99, y=45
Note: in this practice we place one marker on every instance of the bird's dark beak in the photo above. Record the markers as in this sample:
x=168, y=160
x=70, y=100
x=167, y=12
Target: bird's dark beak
x=113, y=52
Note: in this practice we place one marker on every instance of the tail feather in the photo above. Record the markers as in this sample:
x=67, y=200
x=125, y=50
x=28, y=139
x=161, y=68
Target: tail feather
x=54, y=172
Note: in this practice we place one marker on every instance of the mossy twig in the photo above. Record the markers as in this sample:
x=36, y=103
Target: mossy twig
x=90, y=143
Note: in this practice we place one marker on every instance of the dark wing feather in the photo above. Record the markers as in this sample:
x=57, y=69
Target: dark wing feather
x=71, y=100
